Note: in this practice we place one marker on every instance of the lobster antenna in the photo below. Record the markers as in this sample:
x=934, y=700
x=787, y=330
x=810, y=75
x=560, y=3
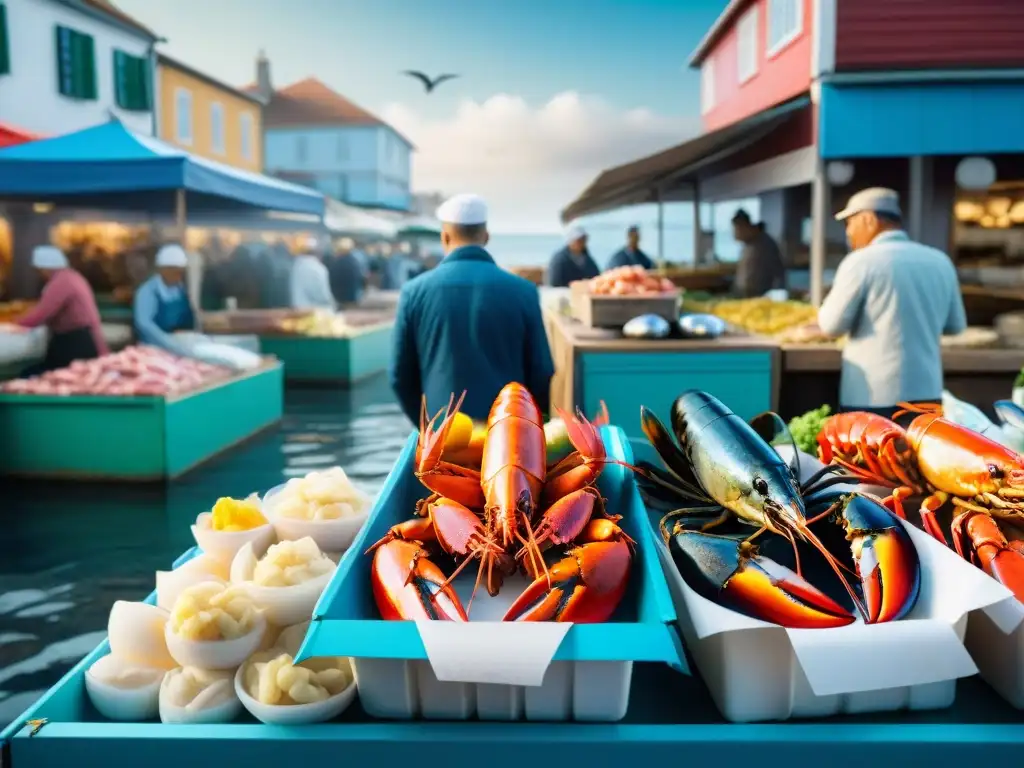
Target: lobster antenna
x=808, y=535
x=917, y=408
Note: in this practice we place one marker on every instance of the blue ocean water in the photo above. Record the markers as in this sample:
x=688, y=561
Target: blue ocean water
x=607, y=234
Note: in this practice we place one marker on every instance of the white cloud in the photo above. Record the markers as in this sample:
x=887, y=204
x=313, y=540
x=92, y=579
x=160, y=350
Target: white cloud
x=529, y=162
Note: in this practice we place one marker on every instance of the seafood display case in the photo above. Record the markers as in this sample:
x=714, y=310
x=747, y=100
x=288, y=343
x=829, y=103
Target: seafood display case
x=316, y=347
x=594, y=365
x=144, y=437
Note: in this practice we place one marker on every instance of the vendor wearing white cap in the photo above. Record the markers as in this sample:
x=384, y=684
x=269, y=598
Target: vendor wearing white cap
x=573, y=262
x=895, y=298
x=311, y=282
x=67, y=308
x=467, y=325
x=162, y=304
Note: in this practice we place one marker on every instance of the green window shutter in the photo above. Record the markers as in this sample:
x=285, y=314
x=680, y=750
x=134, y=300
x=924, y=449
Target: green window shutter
x=76, y=64
x=132, y=82
x=120, y=79
x=5, y=49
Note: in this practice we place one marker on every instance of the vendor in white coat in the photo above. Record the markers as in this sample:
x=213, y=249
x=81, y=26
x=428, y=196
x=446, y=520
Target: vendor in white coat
x=895, y=298
x=162, y=306
x=311, y=282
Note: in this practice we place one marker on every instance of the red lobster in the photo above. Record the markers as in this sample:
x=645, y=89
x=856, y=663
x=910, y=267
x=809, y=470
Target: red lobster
x=946, y=464
x=512, y=509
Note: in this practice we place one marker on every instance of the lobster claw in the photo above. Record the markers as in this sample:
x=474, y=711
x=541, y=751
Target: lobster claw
x=585, y=586
x=887, y=561
x=977, y=538
x=407, y=585
x=731, y=574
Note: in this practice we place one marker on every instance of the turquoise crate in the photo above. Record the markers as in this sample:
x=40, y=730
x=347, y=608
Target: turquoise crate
x=322, y=360
x=347, y=623
x=135, y=438
x=627, y=380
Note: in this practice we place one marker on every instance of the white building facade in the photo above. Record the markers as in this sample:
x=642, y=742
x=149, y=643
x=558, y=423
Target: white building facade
x=66, y=65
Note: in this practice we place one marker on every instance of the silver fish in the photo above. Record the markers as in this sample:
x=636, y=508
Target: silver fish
x=701, y=326
x=646, y=327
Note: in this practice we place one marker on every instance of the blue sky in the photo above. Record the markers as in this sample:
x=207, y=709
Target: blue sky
x=614, y=56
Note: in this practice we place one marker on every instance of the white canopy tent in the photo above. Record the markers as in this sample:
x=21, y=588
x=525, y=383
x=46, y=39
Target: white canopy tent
x=344, y=219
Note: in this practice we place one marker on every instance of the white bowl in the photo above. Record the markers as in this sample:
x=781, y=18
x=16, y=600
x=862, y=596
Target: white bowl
x=294, y=714
x=283, y=606
x=130, y=705
x=224, y=544
x=215, y=654
x=225, y=712
x=170, y=584
x=330, y=535
x=136, y=634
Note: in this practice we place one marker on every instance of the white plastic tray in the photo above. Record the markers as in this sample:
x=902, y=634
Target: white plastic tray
x=585, y=691
x=999, y=653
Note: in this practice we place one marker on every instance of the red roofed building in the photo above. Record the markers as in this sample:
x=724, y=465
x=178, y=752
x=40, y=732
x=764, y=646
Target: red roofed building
x=317, y=137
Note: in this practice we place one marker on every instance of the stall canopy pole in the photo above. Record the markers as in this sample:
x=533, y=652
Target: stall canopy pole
x=698, y=228
x=915, y=208
x=193, y=274
x=661, y=230
x=820, y=206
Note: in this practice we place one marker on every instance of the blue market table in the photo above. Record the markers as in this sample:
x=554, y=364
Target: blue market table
x=596, y=364
x=671, y=721
x=332, y=360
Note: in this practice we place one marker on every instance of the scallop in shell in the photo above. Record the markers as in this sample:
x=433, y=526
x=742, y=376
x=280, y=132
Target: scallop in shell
x=646, y=327
x=136, y=634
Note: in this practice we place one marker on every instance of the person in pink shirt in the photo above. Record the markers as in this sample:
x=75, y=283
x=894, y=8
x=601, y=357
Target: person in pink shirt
x=68, y=309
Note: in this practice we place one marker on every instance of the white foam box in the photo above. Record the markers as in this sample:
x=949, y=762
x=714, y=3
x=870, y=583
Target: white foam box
x=995, y=640
x=486, y=668
x=758, y=671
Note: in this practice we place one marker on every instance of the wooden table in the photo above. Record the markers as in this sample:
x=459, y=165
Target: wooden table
x=592, y=365
x=810, y=375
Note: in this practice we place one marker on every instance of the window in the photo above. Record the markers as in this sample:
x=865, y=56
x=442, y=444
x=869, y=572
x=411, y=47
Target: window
x=246, y=126
x=707, y=85
x=183, y=115
x=746, y=47
x=301, y=149
x=785, y=23
x=76, y=64
x=342, y=149
x=132, y=82
x=5, y=51
x=217, y=128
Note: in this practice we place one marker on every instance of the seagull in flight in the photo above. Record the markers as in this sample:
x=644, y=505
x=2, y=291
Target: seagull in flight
x=429, y=84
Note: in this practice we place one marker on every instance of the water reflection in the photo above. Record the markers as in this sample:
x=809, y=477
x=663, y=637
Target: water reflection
x=69, y=551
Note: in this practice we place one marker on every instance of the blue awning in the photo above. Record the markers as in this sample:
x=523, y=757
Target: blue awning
x=111, y=161
x=903, y=120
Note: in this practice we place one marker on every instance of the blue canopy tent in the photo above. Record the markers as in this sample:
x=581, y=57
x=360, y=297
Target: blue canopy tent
x=109, y=166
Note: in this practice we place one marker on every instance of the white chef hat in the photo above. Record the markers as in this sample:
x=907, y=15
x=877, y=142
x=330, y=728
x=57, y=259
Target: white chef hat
x=171, y=256
x=467, y=210
x=48, y=257
x=574, y=233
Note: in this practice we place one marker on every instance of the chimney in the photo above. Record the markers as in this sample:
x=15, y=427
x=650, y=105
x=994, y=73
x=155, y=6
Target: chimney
x=266, y=90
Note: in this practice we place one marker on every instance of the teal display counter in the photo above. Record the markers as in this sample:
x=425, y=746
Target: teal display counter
x=135, y=438
x=594, y=365
x=671, y=721
x=327, y=360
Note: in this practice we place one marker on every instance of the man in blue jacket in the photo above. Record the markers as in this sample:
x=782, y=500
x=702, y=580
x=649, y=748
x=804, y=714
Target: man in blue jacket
x=631, y=255
x=573, y=262
x=467, y=325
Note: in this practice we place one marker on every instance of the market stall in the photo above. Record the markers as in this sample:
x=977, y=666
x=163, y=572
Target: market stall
x=137, y=415
x=598, y=364
x=315, y=347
